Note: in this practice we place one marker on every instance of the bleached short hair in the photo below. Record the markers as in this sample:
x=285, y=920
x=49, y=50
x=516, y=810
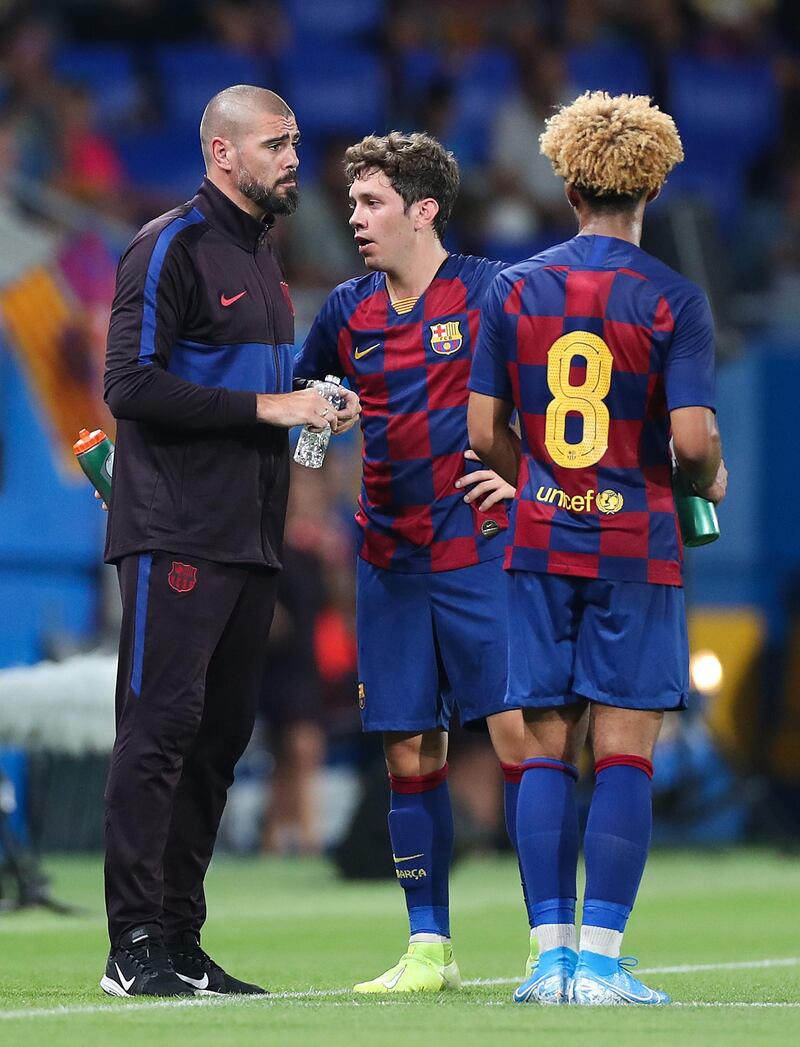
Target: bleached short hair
x=619, y=146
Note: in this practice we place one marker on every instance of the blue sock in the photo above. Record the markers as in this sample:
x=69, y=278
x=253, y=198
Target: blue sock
x=617, y=839
x=512, y=777
x=421, y=831
x=547, y=838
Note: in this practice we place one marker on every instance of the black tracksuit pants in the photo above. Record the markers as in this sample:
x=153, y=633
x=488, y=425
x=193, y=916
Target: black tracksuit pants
x=191, y=667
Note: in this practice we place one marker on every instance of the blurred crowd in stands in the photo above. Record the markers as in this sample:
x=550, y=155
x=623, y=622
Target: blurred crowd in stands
x=99, y=106
x=101, y=101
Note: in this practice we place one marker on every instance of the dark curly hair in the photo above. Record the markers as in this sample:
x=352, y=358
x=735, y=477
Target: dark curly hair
x=417, y=166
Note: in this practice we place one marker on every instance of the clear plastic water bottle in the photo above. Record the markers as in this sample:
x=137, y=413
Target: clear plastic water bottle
x=312, y=445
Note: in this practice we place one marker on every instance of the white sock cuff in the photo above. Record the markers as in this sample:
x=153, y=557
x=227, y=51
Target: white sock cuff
x=423, y=936
x=556, y=935
x=601, y=940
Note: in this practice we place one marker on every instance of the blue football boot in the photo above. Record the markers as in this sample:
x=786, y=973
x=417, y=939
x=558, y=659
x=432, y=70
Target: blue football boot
x=603, y=981
x=550, y=979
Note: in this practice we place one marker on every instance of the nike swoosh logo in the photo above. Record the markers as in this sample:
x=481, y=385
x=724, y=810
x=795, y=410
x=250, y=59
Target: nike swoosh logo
x=363, y=352
x=124, y=981
x=198, y=983
x=409, y=857
x=632, y=997
x=391, y=982
x=524, y=992
x=229, y=301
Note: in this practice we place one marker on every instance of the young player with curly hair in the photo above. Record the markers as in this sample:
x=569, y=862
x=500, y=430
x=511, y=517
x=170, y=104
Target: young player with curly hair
x=431, y=608
x=605, y=353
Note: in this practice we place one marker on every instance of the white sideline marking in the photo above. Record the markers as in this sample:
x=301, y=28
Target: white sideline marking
x=694, y=968
x=705, y=1003
x=313, y=995
x=745, y=965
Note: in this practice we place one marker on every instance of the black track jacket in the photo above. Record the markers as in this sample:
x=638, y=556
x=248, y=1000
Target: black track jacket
x=201, y=322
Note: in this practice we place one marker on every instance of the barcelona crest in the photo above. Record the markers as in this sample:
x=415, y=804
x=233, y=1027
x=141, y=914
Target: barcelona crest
x=446, y=338
x=182, y=577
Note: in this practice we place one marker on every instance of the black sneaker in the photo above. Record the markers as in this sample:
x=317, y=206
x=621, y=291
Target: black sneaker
x=140, y=966
x=196, y=968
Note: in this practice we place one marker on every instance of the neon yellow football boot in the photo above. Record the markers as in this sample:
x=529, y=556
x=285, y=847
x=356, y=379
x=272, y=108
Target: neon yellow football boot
x=426, y=967
x=533, y=956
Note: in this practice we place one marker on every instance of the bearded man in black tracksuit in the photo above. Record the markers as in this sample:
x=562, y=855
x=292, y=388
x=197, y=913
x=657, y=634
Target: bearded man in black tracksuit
x=199, y=378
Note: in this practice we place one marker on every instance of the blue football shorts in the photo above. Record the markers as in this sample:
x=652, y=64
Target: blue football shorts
x=614, y=642
x=428, y=643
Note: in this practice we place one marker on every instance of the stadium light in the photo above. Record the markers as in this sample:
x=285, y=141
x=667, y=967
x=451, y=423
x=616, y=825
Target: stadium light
x=705, y=669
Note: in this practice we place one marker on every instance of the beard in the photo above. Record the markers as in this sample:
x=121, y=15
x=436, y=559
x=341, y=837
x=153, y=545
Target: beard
x=267, y=197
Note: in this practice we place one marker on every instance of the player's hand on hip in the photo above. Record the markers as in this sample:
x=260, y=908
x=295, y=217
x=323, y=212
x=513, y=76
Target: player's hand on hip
x=716, y=491
x=486, y=484
x=348, y=415
x=302, y=407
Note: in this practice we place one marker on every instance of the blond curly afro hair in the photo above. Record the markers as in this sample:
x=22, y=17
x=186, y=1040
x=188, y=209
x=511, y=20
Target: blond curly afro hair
x=612, y=145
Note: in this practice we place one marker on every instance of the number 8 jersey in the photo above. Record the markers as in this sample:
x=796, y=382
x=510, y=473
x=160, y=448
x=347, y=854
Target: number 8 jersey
x=594, y=342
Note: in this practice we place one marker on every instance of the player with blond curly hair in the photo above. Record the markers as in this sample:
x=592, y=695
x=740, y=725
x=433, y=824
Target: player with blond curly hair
x=606, y=354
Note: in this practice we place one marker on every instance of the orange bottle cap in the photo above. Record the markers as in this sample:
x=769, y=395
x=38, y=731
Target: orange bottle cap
x=86, y=440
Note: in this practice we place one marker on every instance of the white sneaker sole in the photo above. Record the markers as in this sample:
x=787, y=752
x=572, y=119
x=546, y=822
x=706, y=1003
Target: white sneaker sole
x=111, y=987
x=115, y=989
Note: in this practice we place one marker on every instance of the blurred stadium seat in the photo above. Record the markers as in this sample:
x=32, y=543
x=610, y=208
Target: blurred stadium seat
x=419, y=67
x=728, y=112
x=109, y=74
x=716, y=178
x=418, y=77
x=724, y=104
x=191, y=74
x=484, y=79
x=345, y=19
x=179, y=164
x=335, y=89
x=615, y=67
x=479, y=81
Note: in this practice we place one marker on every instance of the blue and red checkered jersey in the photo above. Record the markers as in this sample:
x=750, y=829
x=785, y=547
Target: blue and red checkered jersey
x=594, y=341
x=410, y=372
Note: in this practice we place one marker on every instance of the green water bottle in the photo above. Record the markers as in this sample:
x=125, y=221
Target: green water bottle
x=95, y=453
x=697, y=516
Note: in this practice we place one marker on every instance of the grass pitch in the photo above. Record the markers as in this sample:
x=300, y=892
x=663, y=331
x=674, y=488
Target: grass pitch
x=720, y=932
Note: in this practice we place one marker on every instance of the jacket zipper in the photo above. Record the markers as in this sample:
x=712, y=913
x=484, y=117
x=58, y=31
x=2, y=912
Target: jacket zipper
x=268, y=301
x=270, y=306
